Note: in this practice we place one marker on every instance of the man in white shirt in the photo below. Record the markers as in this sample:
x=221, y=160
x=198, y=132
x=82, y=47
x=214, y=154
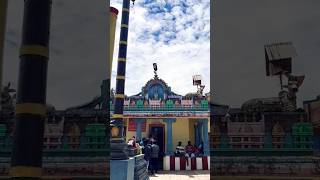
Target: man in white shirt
x=180, y=151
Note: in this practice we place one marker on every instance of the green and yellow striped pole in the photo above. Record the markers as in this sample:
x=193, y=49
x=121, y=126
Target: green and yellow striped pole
x=26, y=160
x=3, y=18
x=118, y=144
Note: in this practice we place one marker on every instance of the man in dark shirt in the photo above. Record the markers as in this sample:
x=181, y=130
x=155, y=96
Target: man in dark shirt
x=147, y=152
x=154, y=157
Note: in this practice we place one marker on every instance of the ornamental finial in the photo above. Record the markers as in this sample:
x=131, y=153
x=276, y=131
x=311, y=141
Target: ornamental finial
x=155, y=68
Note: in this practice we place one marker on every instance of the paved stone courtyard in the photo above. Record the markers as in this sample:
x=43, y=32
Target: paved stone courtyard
x=181, y=175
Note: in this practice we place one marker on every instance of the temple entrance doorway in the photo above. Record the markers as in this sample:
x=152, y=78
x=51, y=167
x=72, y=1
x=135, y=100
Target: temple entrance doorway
x=156, y=131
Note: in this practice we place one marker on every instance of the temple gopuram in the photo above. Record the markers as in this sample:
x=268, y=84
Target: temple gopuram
x=157, y=112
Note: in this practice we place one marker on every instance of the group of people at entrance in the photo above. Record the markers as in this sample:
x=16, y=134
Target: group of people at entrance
x=189, y=150
x=150, y=149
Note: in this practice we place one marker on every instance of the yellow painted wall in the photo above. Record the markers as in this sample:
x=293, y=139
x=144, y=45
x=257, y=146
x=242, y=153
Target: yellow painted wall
x=182, y=130
x=191, y=131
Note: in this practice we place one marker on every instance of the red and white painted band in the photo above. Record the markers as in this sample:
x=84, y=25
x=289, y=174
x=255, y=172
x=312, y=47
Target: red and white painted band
x=177, y=163
x=188, y=167
x=199, y=163
x=180, y=163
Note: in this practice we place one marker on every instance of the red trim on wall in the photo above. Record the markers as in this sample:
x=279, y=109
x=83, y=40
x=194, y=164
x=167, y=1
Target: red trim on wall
x=182, y=163
x=172, y=163
x=205, y=163
x=193, y=163
x=132, y=125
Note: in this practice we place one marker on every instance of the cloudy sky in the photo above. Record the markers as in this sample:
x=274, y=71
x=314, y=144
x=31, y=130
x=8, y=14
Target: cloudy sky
x=174, y=34
x=242, y=28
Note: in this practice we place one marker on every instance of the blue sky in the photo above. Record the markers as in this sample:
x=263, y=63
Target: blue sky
x=173, y=33
x=164, y=32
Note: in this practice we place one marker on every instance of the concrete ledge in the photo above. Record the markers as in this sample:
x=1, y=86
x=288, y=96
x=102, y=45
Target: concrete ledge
x=122, y=169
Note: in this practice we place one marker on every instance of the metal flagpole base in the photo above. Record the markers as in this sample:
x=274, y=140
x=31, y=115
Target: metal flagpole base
x=119, y=149
x=118, y=145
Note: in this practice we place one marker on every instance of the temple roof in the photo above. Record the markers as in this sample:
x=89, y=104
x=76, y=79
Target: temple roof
x=155, y=88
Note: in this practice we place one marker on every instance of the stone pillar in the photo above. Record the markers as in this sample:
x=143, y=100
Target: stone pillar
x=205, y=136
x=169, y=149
x=199, y=132
x=138, y=123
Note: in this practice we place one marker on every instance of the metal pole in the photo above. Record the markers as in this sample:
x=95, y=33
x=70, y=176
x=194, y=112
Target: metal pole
x=118, y=144
x=26, y=158
x=3, y=18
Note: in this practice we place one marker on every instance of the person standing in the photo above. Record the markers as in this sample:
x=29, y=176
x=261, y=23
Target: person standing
x=154, y=157
x=147, y=152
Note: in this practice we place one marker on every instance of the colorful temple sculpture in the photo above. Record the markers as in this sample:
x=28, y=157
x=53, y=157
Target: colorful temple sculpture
x=268, y=136
x=157, y=112
x=74, y=140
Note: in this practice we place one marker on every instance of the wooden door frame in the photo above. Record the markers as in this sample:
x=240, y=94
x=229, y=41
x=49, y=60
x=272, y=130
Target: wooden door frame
x=163, y=134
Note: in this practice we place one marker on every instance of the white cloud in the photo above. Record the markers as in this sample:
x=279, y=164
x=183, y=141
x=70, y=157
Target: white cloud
x=181, y=50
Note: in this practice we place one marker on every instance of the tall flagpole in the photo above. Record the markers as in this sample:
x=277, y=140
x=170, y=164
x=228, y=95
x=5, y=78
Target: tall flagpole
x=26, y=157
x=118, y=144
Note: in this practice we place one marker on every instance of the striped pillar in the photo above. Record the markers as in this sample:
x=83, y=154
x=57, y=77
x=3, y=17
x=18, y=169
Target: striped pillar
x=118, y=144
x=3, y=18
x=26, y=160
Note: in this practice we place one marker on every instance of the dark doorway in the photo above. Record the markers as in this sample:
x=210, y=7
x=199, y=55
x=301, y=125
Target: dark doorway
x=156, y=131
